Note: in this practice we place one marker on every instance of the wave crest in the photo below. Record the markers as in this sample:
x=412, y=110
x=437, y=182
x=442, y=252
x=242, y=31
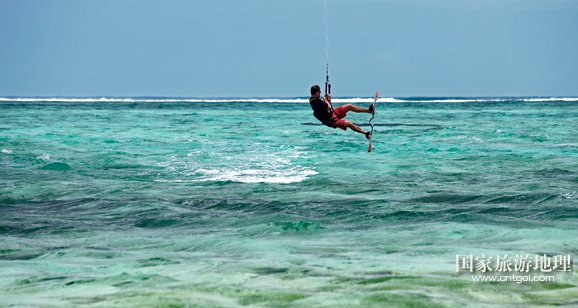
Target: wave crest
x=350, y=100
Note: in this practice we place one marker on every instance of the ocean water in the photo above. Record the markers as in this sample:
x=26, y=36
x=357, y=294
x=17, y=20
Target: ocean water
x=191, y=202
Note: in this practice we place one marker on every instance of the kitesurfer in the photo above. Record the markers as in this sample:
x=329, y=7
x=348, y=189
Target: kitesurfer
x=333, y=117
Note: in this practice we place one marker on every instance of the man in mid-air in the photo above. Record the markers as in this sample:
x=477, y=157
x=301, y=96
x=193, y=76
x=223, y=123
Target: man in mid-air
x=333, y=117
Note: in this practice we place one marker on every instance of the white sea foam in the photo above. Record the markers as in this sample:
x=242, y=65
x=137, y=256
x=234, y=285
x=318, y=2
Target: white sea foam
x=568, y=195
x=293, y=175
x=6, y=151
x=255, y=165
x=175, y=100
x=565, y=145
x=151, y=100
x=44, y=156
x=282, y=100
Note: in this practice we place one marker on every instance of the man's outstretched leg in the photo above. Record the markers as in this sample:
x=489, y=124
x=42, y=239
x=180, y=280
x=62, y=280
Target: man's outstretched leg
x=349, y=107
x=357, y=129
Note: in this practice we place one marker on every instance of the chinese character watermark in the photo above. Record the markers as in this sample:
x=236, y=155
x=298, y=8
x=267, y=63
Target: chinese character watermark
x=519, y=263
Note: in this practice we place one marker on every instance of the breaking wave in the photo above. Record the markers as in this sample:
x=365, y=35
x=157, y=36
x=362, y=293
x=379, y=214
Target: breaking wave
x=282, y=100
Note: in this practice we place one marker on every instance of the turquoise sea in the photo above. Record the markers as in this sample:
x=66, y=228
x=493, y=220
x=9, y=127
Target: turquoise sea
x=249, y=202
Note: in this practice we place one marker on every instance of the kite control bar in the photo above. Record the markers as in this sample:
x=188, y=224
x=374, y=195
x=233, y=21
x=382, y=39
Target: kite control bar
x=328, y=87
x=327, y=83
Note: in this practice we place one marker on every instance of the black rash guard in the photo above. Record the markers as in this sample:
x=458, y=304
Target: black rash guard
x=320, y=110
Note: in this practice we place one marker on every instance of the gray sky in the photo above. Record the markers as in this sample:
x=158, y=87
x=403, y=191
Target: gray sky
x=274, y=48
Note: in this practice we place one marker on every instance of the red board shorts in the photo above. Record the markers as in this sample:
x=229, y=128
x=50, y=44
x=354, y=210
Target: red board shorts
x=338, y=114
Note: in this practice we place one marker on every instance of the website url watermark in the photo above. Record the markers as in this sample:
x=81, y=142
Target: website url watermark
x=518, y=268
x=514, y=278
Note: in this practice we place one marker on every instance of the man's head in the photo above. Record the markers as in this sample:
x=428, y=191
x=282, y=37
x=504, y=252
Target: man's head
x=315, y=91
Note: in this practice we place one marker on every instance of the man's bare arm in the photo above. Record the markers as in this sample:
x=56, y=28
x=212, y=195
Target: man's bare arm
x=327, y=100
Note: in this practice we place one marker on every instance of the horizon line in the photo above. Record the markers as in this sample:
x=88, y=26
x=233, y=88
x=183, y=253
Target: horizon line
x=274, y=97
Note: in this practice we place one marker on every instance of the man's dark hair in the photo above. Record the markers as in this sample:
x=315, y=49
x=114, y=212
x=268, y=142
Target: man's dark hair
x=315, y=88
